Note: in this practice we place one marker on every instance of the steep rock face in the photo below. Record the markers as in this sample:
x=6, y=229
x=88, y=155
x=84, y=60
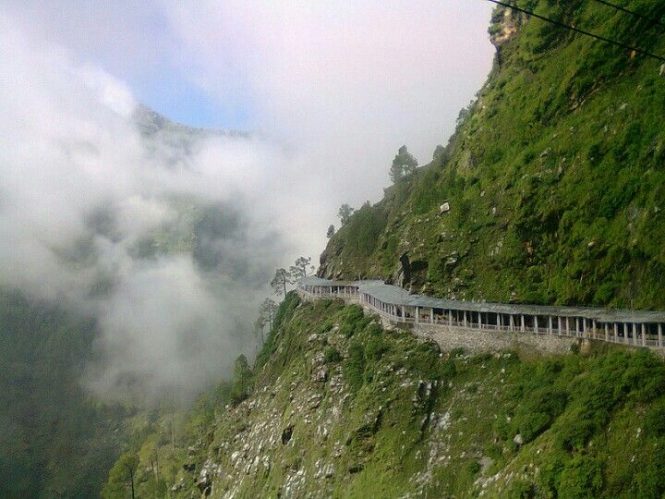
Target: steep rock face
x=553, y=182
x=342, y=408
x=505, y=25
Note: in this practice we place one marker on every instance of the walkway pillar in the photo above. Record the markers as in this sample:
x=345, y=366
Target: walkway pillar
x=644, y=335
x=549, y=324
x=660, y=335
x=511, y=322
x=635, y=333
x=607, y=332
x=480, y=320
x=464, y=319
x=431, y=317
x=523, y=323
x=417, y=315
x=535, y=323
x=450, y=317
x=616, y=332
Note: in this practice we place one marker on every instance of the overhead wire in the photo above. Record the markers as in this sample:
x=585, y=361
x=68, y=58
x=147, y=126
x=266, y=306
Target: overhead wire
x=578, y=30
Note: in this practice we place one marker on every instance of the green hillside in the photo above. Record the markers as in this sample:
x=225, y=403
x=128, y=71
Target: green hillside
x=339, y=407
x=555, y=177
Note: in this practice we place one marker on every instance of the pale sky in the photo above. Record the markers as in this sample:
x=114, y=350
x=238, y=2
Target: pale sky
x=204, y=63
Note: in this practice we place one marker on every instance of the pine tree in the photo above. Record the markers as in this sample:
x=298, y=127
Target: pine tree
x=403, y=165
x=279, y=282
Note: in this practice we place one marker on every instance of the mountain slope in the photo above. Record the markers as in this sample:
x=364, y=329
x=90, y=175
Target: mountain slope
x=342, y=408
x=550, y=191
x=555, y=178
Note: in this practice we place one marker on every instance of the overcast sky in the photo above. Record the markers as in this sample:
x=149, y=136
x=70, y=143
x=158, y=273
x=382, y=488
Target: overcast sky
x=329, y=90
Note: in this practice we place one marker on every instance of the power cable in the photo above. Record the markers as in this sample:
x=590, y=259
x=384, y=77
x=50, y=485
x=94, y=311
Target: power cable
x=578, y=30
x=654, y=22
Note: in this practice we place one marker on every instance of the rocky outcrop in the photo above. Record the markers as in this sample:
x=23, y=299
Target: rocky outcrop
x=505, y=25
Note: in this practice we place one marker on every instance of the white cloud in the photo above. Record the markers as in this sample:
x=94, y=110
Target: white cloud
x=80, y=194
x=343, y=83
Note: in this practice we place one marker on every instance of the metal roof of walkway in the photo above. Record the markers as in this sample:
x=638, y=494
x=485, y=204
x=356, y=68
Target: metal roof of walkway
x=394, y=295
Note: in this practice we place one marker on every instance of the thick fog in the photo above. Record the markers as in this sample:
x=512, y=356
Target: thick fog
x=168, y=236
x=164, y=236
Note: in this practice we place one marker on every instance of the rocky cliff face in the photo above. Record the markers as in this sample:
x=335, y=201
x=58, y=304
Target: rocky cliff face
x=505, y=25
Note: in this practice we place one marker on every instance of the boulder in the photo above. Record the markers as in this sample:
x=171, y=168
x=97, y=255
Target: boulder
x=321, y=375
x=444, y=208
x=208, y=472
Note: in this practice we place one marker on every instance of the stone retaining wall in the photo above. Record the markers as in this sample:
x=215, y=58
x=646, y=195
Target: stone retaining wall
x=479, y=341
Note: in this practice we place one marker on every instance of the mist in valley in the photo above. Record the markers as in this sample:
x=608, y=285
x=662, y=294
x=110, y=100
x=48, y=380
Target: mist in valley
x=165, y=235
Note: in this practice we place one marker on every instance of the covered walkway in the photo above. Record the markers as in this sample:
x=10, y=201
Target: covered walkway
x=642, y=328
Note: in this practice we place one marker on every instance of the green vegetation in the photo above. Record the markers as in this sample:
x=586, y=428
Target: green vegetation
x=554, y=177
x=404, y=164
x=392, y=415
x=344, y=213
x=550, y=191
x=54, y=440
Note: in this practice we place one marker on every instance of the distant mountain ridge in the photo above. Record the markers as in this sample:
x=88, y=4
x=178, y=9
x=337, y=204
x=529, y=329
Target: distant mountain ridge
x=150, y=122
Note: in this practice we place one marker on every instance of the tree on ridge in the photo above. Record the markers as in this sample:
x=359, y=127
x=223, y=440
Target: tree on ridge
x=344, y=213
x=403, y=165
x=299, y=269
x=279, y=281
